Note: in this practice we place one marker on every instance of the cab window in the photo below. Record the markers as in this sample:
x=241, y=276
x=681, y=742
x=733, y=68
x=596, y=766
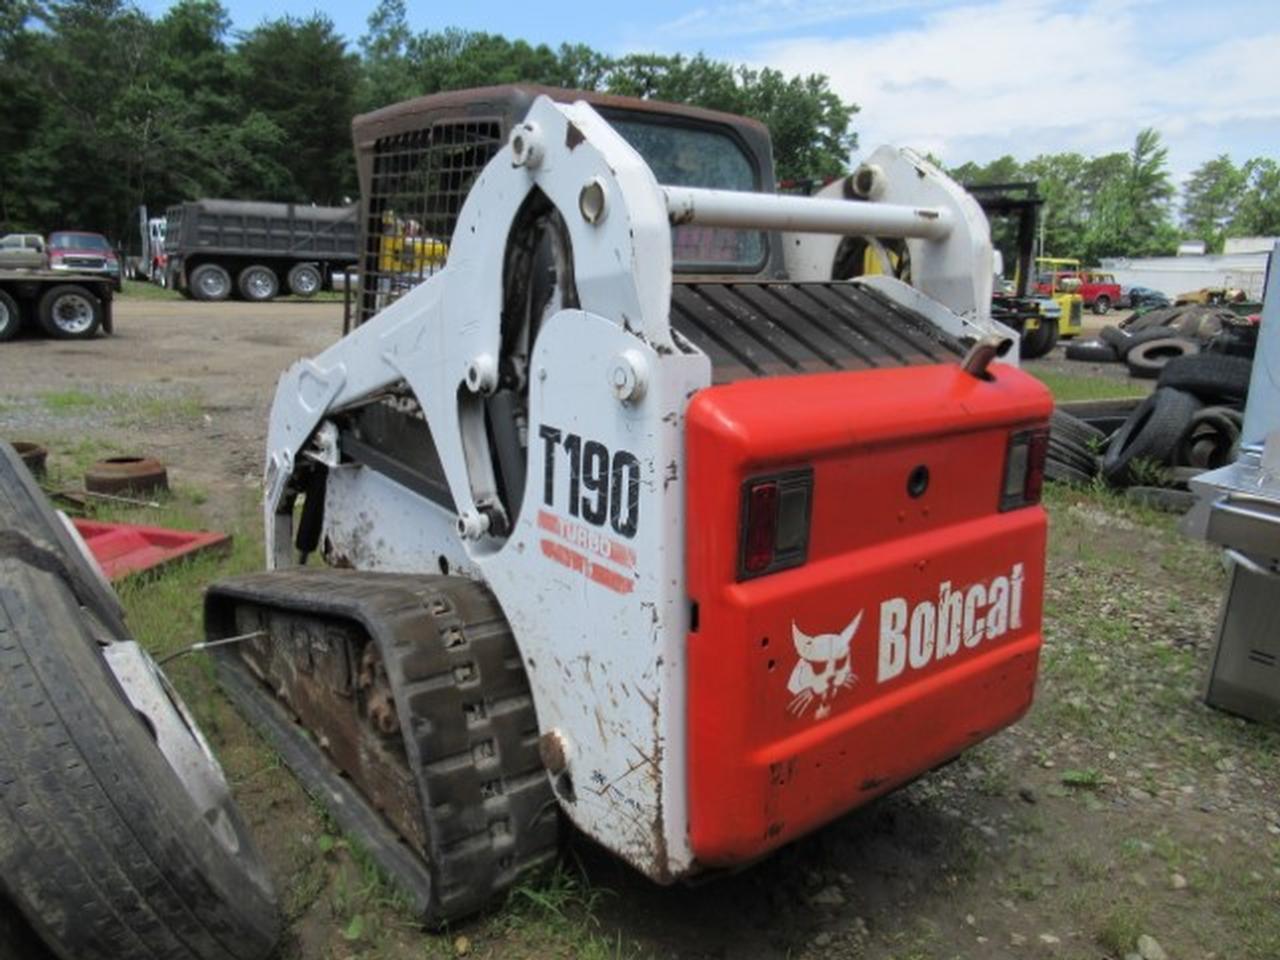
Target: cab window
x=698, y=157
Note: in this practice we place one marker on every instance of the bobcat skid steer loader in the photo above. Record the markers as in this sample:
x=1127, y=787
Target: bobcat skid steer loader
x=602, y=518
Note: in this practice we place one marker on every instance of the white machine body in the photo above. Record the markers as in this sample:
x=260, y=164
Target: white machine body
x=594, y=589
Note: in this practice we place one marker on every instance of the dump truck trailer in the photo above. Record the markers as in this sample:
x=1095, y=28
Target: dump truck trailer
x=607, y=520
x=64, y=305
x=216, y=249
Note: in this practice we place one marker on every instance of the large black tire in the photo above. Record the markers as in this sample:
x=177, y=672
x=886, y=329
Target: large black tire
x=1123, y=342
x=1102, y=305
x=1064, y=426
x=1150, y=434
x=32, y=530
x=1214, y=378
x=1211, y=439
x=1063, y=473
x=305, y=280
x=258, y=284
x=103, y=850
x=70, y=312
x=1038, y=342
x=1092, y=351
x=1146, y=360
x=209, y=282
x=10, y=318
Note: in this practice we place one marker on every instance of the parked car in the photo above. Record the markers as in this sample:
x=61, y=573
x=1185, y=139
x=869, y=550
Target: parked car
x=78, y=251
x=1056, y=275
x=1140, y=297
x=23, y=250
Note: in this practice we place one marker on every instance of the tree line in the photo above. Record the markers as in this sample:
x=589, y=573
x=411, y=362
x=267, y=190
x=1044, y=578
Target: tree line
x=103, y=108
x=1123, y=204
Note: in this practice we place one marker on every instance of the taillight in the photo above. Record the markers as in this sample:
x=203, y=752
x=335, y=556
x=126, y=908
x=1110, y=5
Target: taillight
x=1024, y=468
x=775, y=522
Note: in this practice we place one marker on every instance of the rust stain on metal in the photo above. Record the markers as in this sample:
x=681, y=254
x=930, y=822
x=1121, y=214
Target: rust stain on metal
x=551, y=750
x=872, y=783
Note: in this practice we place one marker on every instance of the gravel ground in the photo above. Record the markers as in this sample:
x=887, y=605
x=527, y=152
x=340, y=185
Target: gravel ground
x=188, y=383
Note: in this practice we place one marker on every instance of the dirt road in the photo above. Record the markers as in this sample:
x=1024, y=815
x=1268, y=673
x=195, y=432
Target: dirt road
x=189, y=383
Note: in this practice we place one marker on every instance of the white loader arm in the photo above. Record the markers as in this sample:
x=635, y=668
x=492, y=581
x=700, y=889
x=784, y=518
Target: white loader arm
x=954, y=269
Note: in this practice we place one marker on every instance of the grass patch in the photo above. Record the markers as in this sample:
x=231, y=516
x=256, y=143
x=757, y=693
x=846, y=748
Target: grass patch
x=139, y=290
x=1067, y=387
x=127, y=408
x=68, y=401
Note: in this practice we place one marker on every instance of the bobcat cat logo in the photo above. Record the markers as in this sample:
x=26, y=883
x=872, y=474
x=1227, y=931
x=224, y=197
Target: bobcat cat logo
x=824, y=669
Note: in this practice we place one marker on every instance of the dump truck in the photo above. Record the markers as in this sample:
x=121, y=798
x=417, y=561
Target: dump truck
x=215, y=249
x=65, y=305
x=607, y=520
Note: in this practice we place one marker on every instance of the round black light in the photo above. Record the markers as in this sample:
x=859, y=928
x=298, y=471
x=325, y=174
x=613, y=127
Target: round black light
x=918, y=481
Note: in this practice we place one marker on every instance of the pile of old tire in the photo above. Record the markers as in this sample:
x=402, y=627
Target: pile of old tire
x=107, y=848
x=1145, y=343
x=1190, y=423
x=1073, y=449
x=1147, y=349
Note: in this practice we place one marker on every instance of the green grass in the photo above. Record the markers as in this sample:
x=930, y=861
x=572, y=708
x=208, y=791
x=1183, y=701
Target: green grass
x=68, y=401
x=138, y=290
x=126, y=409
x=135, y=290
x=1067, y=388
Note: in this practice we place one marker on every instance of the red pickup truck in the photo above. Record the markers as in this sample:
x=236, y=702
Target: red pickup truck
x=1099, y=290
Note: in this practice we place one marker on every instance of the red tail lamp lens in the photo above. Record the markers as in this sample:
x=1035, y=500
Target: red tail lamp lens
x=776, y=512
x=762, y=526
x=1037, y=451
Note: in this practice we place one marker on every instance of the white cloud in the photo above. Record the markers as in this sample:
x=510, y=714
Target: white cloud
x=1010, y=76
x=747, y=17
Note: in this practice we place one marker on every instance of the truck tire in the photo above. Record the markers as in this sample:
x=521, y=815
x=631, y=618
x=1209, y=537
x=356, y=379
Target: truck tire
x=1092, y=351
x=1123, y=341
x=32, y=529
x=1151, y=433
x=209, y=282
x=1146, y=360
x=305, y=280
x=106, y=853
x=1102, y=305
x=257, y=283
x=1214, y=378
x=70, y=312
x=10, y=318
x=1038, y=342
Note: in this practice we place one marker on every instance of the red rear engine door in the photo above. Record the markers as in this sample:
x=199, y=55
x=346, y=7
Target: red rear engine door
x=910, y=631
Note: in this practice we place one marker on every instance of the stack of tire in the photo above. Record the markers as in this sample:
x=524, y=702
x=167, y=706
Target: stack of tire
x=1148, y=342
x=108, y=849
x=1074, y=449
x=1189, y=424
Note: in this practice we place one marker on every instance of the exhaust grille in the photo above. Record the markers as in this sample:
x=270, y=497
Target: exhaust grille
x=765, y=329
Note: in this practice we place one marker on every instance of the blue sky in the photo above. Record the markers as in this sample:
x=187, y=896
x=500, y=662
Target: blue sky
x=967, y=79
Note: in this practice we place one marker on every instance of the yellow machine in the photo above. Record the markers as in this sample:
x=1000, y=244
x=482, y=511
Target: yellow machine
x=401, y=250
x=1059, y=278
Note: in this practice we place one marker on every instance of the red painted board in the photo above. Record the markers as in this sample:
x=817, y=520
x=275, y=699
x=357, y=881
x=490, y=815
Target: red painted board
x=122, y=549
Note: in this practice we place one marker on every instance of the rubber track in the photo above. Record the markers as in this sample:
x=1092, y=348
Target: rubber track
x=470, y=730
